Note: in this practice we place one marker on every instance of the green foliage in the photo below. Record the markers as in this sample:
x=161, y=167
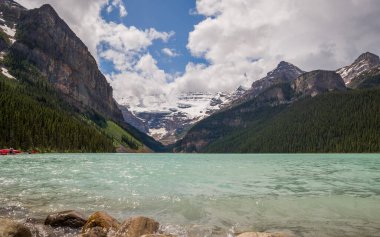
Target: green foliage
x=130, y=142
x=120, y=136
x=332, y=122
x=36, y=87
x=28, y=120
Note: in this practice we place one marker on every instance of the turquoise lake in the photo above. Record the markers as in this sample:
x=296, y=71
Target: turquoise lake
x=200, y=194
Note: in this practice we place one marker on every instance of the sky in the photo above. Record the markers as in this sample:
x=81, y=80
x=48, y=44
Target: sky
x=152, y=50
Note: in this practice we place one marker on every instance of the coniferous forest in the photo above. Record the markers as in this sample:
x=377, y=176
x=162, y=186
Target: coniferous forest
x=333, y=122
x=29, y=122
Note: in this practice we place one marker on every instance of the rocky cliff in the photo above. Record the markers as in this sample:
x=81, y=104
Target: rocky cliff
x=318, y=82
x=46, y=41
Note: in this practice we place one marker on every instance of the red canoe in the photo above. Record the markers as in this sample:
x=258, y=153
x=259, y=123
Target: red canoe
x=8, y=152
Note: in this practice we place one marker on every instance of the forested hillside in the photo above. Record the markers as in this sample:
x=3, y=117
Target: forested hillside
x=29, y=120
x=332, y=122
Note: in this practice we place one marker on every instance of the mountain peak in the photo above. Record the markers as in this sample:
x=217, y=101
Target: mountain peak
x=47, y=8
x=284, y=64
x=285, y=68
x=370, y=57
x=363, y=63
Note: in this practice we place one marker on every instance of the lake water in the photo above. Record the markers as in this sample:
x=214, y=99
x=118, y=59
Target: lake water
x=203, y=195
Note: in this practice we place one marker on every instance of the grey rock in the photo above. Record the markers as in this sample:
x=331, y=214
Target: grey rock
x=72, y=219
x=318, y=82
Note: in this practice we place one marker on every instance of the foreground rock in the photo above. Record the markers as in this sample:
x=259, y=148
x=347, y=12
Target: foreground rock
x=138, y=226
x=99, y=224
x=72, y=219
x=9, y=228
x=264, y=234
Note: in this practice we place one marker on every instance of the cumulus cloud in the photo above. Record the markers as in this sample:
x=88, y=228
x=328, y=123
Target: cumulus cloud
x=241, y=41
x=169, y=52
x=246, y=37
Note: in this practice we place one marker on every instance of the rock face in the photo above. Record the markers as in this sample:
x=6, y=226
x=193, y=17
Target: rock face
x=317, y=82
x=70, y=219
x=362, y=64
x=283, y=73
x=138, y=226
x=130, y=118
x=46, y=41
x=9, y=228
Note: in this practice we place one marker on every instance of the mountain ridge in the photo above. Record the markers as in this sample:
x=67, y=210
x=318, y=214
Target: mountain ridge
x=253, y=112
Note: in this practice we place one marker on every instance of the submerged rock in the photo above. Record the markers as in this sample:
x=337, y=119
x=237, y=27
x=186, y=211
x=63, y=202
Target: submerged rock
x=98, y=224
x=138, y=226
x=264, y=234
x=9, y=228
x=72, y=219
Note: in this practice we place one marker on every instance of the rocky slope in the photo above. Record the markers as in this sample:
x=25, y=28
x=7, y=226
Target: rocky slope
x=284, y=72
x=318, y=82
x=268, y=100
x=46, y=41
x=362, y=64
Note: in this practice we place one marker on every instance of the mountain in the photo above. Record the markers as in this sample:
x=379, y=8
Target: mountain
x=294, y=109
x=362, y=64
x=64, y=59
x=318, y=82
x=283, y=73
x=168, y=123
x=336, y=122
x=52, y=67
x=368, y=79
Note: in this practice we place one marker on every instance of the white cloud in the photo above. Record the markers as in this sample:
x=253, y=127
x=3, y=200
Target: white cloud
x=169, y=52
x=324, y=34
x=241, y=40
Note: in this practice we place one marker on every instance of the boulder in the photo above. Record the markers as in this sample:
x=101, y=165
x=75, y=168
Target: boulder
x=101, y=220
x=264, y=234
x=138, y=226
x=95, y=232
x=70, y=219
x=157, y=235
x=9, y=228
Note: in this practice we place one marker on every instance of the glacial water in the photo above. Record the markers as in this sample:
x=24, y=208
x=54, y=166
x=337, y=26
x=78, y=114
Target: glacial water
x=203, y=195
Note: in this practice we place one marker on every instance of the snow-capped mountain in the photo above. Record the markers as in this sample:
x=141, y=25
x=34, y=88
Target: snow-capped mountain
x=362, y=64
x=168, y=123
x=284, y=72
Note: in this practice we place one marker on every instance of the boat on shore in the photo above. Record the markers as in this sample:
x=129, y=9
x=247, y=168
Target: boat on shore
x=11, y=151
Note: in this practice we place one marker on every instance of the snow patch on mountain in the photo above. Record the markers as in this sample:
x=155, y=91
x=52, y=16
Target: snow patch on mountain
x=364, y=63
x=6, y=73
x=167, y=121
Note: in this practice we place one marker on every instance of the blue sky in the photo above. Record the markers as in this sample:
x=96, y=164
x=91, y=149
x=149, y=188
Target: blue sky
x=164, y=16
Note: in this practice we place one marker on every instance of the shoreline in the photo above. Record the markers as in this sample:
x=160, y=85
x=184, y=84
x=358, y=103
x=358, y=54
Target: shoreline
x=73, y=223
